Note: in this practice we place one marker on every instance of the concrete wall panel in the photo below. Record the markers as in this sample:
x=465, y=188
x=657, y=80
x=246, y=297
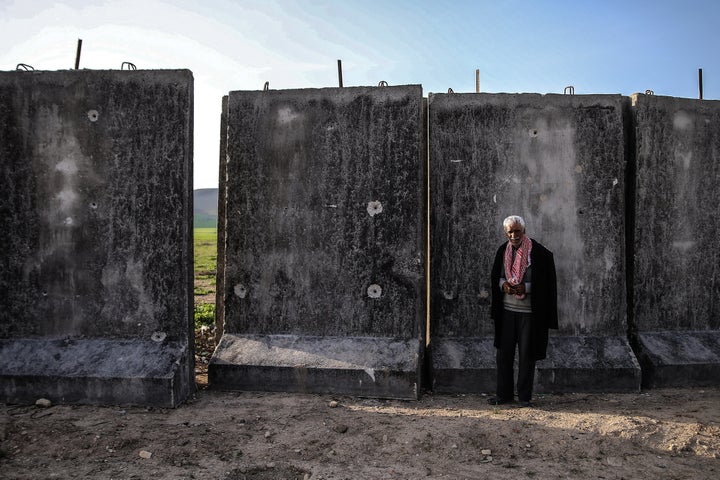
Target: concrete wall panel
x=677, y=236
x=221, y=221
x=325, y=223
x=96, y=175
x=556, y=160
x=676, y=300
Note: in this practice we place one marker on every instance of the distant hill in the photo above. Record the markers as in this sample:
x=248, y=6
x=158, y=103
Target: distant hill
x=205, y=207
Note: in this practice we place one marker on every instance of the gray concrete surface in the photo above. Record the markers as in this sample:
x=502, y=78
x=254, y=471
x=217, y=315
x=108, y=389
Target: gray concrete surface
x=368, y=366
x=588, y=364
x=95, y=371
x=325, y=226
x=680, y=358
x=321, y=283
x=222, y=218
x=557, y=160
x=463, y=365
x=676, y=287
x=96, y=244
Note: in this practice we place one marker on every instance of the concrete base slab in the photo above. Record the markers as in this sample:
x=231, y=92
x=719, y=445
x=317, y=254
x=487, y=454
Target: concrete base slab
x=680, y=359
x=588, y=364
x=463, y=365
x=365, y=366
x=95, y=371
x=574, y=364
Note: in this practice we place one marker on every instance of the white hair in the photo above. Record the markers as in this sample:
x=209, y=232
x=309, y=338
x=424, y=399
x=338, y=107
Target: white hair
x=513, y=220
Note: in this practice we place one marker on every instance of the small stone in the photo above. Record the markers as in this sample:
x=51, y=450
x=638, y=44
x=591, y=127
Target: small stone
x=614, y=461
x=333, y=403
x=489, y=458
x=486, y=451
x=270, y=465
x=43, y=402
x=145, y=454
x=268, y=434
x=384, y=438
x=340, y=428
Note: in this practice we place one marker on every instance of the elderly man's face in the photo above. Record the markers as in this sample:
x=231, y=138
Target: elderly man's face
x=515, y=234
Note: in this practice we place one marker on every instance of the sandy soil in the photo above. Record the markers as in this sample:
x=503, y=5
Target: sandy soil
x=660, y=434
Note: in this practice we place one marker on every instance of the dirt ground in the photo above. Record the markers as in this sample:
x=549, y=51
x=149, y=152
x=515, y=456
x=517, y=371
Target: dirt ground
x=659, y=434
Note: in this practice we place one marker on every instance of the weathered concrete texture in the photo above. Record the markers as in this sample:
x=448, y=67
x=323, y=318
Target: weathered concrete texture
x=588, y=364
x=95, y=371
x=96, y=244
x=676, y=237
x=375, y=367
x=463, y=365
x=680, y=359
x=221, y=236
x=557, y=160
x=324, y=226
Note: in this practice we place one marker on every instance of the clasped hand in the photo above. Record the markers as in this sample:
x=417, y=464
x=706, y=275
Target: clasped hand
x=513, y=289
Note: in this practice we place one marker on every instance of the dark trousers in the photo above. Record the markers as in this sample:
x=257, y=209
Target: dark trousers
x=515, y=331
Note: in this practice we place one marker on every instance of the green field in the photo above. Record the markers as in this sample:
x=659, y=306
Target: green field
x=205, y=246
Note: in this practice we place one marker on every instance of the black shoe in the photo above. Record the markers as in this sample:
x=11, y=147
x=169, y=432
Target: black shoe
x=497, y=401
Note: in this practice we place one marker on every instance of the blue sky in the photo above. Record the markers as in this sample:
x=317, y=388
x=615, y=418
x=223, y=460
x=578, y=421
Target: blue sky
x=536, y=46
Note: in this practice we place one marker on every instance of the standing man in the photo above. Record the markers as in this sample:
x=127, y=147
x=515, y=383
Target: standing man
x=524, y=307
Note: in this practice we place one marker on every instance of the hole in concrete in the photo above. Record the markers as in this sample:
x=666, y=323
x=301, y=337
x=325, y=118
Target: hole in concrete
x=240, y=290
x=374, y=291
x=93, y=115
x=373, y=208
x=93, y=205
x=158, y=336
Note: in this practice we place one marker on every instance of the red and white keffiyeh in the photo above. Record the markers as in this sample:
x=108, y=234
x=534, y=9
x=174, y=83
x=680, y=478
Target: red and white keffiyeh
x=515, y=270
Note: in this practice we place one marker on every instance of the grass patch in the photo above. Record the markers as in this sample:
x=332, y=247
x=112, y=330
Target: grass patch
x=199, y=290
x=204, y=315
x=205, y=246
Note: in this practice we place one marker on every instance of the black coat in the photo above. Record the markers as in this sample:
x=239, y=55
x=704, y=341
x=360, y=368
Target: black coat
x=543, y=298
